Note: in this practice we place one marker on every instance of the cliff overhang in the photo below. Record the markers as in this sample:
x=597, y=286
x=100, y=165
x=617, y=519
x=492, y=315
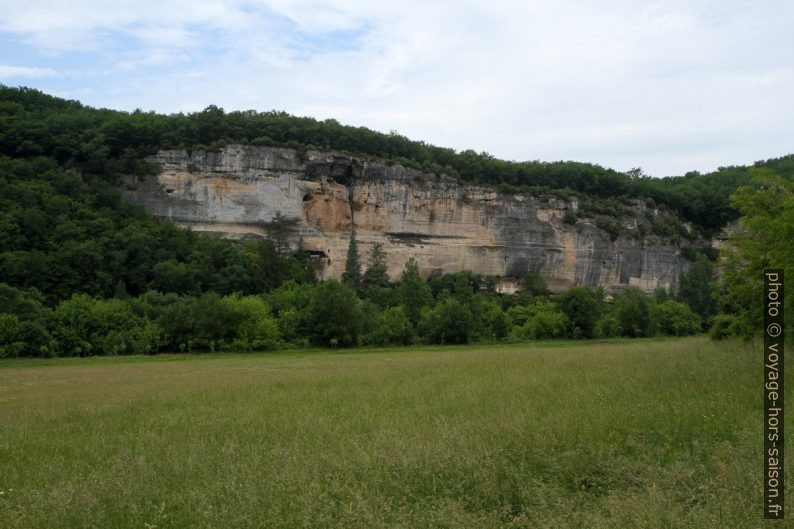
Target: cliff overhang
x=445, y=226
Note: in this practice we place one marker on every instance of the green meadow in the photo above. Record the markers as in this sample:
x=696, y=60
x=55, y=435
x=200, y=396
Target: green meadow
x=631, y=433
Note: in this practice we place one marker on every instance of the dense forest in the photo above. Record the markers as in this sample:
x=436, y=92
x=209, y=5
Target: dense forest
x=82, y=272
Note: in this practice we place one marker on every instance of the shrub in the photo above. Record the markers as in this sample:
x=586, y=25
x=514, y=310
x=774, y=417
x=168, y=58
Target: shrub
x=450, y=321
x=33, y=317
x=676, y=318
x=607, y=326
x=519, y=314
x=695, y=288
x=74, y=325
x=332, y=314
x=633, y=313
x=582, y=307
x=11, y=343
x=413, y=291
x=257, y=328
x=546, y=321
x=87, y=326
x=492, y=322
x=724, y=326
x=392, y=328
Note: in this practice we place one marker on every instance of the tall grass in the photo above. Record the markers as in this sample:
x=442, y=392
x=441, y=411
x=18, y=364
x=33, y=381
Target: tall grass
x=663, y=433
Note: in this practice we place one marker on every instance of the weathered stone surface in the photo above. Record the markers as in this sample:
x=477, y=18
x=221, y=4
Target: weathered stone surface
x=446, y=227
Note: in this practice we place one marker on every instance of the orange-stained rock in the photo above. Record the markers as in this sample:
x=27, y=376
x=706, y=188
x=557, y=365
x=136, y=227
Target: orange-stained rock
x=445, y=226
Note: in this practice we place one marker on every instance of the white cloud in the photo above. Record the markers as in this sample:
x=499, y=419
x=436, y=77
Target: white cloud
x=669, y=86
x=27, y=72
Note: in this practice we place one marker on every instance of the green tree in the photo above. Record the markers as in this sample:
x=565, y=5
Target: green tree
x=376, y=274
x=696, y=288
x=450, y=321
x=115, y=329
x=457, y=284
x=290, y=302
x=332, y=314
x=519, y=314
x=352, y=274
x=383, y=297
x=34, y=318
x=764, y=240
x=216, y=320
x=583, y=308
x=676, y=318
x=280, y=229
x=633, y=311
x=545, y=321
x=11, y=343
x=74, y=325
x=258, y=328
x=491, y=322
x=661, y=294
x=608, y=326
x=150, y=338
x=413, y=291
x=393, y=328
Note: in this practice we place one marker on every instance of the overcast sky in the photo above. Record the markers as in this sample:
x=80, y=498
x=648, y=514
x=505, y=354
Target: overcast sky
x=668, y=86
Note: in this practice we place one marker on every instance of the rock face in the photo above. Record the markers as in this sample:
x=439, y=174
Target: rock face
x=445, y=226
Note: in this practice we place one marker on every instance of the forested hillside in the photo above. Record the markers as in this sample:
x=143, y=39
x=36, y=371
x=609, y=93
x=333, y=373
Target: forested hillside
x=81, y=272
x=103, y=142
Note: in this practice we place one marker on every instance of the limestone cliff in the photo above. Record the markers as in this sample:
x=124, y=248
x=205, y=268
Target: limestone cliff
x=445, y=226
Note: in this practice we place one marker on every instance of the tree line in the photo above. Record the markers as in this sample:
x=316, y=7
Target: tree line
x=367, y=309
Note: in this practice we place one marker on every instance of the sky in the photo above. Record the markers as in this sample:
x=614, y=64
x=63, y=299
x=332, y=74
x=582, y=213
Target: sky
x=668, y=86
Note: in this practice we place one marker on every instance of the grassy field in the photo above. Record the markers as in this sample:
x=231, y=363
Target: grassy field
x=643, y=433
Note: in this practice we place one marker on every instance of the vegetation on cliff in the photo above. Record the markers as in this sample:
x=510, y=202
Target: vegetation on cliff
x=103, y=142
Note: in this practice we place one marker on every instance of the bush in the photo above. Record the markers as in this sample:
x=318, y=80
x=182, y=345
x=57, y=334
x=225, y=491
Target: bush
x=519, y=314
x=290, y=302
x=607, y=326
x=87, y=326
x=696, y=288
x=383, y=297
x=724, y=326
x=74, y=325
x=633, y=313
x=582, y=307
x=392, y=328
x=612, y=228
x=332, y=315
x=413, y=291
x=33, y=317
x=450, y=321
x=676, y=318
x=492, y=322
x=11, y=343
x=546, y=321
x=258, y=329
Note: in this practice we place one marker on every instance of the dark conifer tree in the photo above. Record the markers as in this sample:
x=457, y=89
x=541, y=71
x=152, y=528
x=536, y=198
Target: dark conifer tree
x=352, y=273
x=376, y=270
